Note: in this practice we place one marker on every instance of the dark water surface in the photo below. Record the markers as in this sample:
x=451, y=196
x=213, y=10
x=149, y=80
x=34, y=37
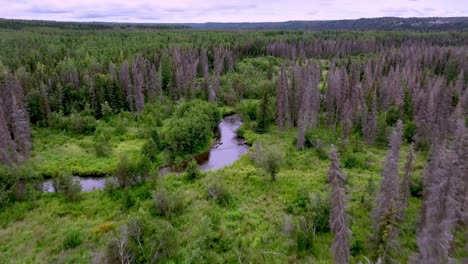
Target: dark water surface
x=225, y=152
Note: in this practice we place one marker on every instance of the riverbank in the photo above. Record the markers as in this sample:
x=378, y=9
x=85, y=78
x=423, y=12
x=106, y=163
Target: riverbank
x=225, y=150
x=250, y=221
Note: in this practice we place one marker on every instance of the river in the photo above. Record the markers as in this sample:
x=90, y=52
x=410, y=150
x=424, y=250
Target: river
x=223, y=153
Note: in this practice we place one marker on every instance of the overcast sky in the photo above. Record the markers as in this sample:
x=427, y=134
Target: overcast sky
x=165, y=11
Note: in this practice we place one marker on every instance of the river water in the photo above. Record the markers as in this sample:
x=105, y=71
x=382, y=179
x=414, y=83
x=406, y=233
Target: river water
x=223, y=153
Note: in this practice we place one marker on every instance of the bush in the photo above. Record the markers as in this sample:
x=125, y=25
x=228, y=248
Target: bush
x=193, y=171
x=305, y=235
x=269, y=158
x=102, y=145
x=320, y=209
x=167, y=203
x=191, y=128
x=219, y=194
x=353, y=160
x=72, y=239
x=81, y=123
x=66, y=184
x=125, y=173
x=408, y=131
x=247, y=109
x=416, y=187
x=128, y=200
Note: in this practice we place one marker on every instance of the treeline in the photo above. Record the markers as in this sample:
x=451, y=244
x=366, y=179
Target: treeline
x=17, y=24
x=416, y=78
x=382, y=23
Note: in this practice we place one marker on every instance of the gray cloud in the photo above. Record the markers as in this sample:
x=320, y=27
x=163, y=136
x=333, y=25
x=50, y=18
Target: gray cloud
x=232, y=11
x=42, y=10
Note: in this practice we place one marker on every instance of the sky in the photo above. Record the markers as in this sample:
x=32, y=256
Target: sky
x=198, y=11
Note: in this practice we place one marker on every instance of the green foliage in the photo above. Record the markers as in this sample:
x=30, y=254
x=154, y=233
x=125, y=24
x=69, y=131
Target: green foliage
x=247, y=109
x=269, y=158
x=106, y=110
x=125, y=172
x=320, y=210
x=305, y=236
x=193, y=172
x=167, y=203
x=102, y=144
x=74, y=123
x=190, y=129
x=392, y=116
x=218, y=193
x=150, y=150
x=353, y=160
x=66, y=184
x=382, y=130
x=264, y=116
x=72, y=239
x=409, y=131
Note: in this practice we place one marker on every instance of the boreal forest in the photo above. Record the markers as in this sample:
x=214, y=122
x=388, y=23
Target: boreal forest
x=344, y=146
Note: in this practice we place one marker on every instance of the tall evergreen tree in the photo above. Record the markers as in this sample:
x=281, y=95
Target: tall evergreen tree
x=263, y=113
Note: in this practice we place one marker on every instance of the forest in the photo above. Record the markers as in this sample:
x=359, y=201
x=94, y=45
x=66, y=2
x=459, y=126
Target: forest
x=357, y=145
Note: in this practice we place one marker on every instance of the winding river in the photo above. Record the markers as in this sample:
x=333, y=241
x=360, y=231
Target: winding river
x=223, y=153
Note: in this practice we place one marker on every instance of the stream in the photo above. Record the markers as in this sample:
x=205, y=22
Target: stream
x=224, y=152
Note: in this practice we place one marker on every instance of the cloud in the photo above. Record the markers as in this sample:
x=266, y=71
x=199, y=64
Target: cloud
x=41, y=10
x=214, y=10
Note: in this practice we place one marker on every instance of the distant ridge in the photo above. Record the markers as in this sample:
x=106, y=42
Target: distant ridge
x=383, y=23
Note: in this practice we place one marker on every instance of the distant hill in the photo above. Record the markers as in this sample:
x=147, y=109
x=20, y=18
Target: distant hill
x=383, y=23
x=18, y=24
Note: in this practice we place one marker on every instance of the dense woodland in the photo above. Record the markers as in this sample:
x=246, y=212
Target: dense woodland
x=359, y=146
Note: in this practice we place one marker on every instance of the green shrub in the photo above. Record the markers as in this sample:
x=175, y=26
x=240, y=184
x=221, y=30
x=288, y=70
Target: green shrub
x=167, y=203
x=66, y=184
x=300, y=204
x=102, y=145
x=353, y=160
x=392, y=116
x=128, y=200
x=357, y=248
x=219, y=194
x=305, y=235
x=191, y=128
x=270, y=158
x=72, y=239
x=247, y=109
x=81, y=123
x=124, y=173
x=409, y=131
x=416, y=187
x=193, y=171
x=320, y=210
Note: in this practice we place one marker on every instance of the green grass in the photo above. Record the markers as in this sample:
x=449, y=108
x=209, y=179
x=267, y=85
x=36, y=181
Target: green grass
x=60, y=151
x=248, y=228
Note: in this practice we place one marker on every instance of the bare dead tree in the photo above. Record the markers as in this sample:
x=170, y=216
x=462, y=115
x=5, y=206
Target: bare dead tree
x=338, y=217
x=386, y=208
x=283, y=116
x=126, y=85
x=406, y=182
x=439, y=205
x=138, y=83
